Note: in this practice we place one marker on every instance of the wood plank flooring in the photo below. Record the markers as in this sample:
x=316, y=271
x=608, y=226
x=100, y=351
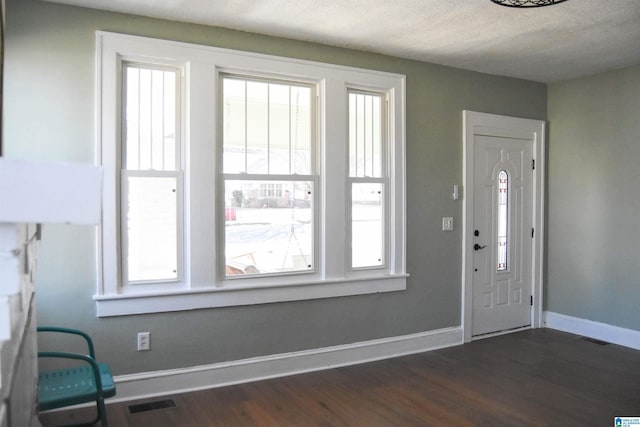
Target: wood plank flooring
x=532, y=378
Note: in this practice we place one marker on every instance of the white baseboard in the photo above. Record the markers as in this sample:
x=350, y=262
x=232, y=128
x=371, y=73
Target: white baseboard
x=160, y=383
x=591, y=329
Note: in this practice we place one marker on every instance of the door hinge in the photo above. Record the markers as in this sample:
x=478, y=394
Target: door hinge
x=533, y=231
x=531, y=300
x=533, y=164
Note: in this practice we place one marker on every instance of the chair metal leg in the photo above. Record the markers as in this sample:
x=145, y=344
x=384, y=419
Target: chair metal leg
x=102, y=412
x=101, y=416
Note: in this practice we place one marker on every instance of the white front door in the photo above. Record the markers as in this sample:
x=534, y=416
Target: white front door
x=503, y=224
x=502, y=233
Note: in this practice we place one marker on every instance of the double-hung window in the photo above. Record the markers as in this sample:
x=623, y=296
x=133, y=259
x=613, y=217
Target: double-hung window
x=367, y=178
x=233, y=178
x=268, y=163
x=151, y=176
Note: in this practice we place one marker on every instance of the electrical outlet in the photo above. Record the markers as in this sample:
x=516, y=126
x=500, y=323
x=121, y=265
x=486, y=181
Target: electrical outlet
x=447, y=223
x=144, y=341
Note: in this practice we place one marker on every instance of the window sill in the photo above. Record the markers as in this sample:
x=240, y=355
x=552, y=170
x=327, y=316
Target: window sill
x=123, y=304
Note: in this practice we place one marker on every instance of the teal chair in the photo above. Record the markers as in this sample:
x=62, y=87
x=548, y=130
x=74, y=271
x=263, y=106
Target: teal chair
x=88, y=382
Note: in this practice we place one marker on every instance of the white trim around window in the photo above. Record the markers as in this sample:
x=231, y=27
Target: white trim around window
x=201, y=283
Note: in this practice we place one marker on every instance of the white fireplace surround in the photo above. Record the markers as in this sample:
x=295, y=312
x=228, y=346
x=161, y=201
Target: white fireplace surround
x=32, y=193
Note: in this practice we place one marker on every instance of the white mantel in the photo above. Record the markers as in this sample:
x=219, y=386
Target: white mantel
x=48, y=192
x=31, y=193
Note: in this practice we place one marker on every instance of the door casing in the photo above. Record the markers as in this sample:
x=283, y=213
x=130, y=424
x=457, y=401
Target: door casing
x=476, y=123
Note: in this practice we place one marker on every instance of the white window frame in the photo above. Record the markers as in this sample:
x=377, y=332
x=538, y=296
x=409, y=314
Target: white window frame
x=383, y=180
x=177, y=174
x=312, y=176
x=201, y=285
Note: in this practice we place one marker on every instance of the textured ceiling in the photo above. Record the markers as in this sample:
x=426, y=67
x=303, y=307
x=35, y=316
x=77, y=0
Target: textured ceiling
x=548, y=44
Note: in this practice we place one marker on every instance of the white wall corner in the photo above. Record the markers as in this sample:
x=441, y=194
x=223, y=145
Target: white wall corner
x=589, y=328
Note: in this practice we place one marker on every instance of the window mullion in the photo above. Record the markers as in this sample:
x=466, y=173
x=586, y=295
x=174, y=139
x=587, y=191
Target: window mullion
x=334, y=168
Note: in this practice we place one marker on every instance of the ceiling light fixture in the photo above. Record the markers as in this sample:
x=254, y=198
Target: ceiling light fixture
x=527, y=3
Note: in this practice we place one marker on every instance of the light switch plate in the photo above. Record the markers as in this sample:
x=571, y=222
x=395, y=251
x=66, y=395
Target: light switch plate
x=447, y=223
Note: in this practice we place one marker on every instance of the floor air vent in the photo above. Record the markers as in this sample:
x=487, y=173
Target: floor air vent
x=593, y=340
x=151, y=406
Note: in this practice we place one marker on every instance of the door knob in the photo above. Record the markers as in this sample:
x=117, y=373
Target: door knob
x=478, y=247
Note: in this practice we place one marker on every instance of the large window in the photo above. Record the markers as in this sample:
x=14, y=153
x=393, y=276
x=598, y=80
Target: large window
x=268, y=146
x=232, y=178
x=151, y=188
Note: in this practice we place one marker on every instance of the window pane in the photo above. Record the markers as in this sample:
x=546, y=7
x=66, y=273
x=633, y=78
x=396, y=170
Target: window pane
x=367, y=233
x=365, y=135
x=257, y=127
x=268, y=227
x=152, y=229
x=267, y=127
x=279, y=126
x=300, y=130
x=132, y=119
x=503, y=219
x=169, y=159
x=150, y=119
x=234, y=124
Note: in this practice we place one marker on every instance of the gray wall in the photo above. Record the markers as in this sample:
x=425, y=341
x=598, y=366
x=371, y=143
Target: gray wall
x=49, y=112
x=594, y=198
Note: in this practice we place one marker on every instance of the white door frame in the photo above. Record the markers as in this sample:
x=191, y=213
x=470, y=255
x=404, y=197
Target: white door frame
x=475, y=123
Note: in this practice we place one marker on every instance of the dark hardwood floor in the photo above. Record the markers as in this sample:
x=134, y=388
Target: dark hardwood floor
x=532, y=378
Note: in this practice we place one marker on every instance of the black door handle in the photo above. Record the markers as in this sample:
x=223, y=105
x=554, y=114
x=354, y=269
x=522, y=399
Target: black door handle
x=478, y=247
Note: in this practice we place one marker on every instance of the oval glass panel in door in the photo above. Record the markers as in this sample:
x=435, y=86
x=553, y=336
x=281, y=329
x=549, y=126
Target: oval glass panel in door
x=503, y=219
